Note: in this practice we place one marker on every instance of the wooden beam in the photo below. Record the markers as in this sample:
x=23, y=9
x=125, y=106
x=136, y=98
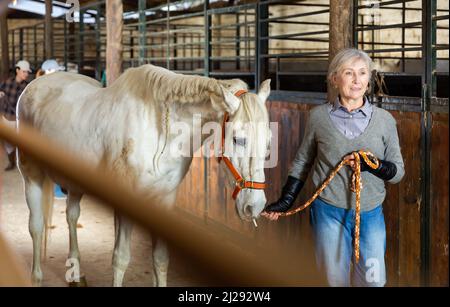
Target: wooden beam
x=114, y=44
x=11, y=268
x=5, y=46
x=142, y=31
x=48, y=29
x=341, y=29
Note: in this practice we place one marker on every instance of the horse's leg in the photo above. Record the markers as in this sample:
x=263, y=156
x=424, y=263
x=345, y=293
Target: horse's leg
x=33, y=195
x=72, y=215
x=160, y=248
x=160, y=262
x=121, y=255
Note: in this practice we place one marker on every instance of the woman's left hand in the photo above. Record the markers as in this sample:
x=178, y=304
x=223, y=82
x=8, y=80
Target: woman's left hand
x=273, y=216
x=351, y=161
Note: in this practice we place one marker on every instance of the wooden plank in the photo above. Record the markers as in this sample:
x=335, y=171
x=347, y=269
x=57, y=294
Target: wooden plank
x=341, y=30
x=409, y=201
x=439, y=217
x=48, y=29
x=114, y=44
x=216, y=204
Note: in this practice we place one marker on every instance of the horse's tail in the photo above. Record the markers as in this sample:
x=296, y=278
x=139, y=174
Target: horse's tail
x=47, y=208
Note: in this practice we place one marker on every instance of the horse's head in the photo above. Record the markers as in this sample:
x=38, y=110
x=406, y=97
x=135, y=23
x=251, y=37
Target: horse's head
x=245, y=142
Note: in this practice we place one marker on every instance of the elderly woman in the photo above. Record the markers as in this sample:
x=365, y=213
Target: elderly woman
x=335, y=130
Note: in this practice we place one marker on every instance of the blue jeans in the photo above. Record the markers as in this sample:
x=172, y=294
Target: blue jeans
x=333, y=229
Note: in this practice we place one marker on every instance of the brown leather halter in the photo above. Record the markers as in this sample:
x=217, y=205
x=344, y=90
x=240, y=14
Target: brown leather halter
x=241, y=183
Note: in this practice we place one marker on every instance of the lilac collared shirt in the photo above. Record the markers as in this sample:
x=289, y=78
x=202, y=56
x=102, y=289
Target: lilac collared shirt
x=350, y=124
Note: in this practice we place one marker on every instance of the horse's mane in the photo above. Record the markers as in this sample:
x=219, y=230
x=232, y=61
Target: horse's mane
x=161, y=85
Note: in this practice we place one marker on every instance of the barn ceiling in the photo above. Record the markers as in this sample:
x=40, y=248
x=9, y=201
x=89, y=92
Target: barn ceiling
x=36, y=8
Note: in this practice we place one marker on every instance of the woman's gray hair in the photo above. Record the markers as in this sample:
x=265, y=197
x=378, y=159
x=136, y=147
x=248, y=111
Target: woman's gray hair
x=343, y=57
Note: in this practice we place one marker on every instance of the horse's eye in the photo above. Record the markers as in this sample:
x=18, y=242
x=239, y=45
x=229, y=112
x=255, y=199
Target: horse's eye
x=239, y=141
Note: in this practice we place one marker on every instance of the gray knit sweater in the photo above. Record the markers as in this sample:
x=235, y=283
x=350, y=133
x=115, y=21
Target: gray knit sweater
x=324, y=146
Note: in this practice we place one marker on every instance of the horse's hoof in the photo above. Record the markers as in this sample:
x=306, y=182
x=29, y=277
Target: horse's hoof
x=81, y=283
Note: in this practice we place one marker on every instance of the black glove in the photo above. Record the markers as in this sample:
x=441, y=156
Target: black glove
x=290, y=192
x=386, y=170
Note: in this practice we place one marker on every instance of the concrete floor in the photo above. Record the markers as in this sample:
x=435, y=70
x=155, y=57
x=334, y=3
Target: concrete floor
x=95, y=238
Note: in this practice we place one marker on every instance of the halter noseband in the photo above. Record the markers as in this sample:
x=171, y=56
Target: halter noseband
x=241, y=183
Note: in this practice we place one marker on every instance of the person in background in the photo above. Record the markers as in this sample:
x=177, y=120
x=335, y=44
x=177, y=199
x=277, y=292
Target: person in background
x=10, y=91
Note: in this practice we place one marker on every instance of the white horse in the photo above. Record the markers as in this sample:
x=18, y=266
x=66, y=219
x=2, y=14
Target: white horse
x=125, y=128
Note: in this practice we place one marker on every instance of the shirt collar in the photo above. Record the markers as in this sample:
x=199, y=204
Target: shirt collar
x=365, y=109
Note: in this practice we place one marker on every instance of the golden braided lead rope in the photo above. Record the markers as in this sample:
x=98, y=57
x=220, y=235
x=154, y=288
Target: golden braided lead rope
x=319, y=190
x=356, y=186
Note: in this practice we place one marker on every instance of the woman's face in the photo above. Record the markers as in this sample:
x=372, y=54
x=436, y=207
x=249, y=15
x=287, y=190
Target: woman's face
x=22, y=74
x=352, y=80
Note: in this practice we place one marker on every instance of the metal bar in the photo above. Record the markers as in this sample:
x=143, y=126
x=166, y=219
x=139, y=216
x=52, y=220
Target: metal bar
x=142, y=31
x=429, y=56
x=231, y=73
x=262, y=46
x=296, y=55
x=98, y=29
x=80, y=46
x=289, y=3
x=238, y=36
x=13, y=48
x=233, y=25
x=21, y=46
x=393, y=49
x=403, y=35
x=208, y=53
x=295, y=15
x=232, y=41
x=172, y=18
x=300, y=22
x=381, y=3
x=391, y=26
x=293, y=35
x=231, y=9
x=35, y=45
x=355, y=23
x=65, y=45
x=440, y=17
x=168, y=36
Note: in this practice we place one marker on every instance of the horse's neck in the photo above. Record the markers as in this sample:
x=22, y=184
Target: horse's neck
x=196, y=116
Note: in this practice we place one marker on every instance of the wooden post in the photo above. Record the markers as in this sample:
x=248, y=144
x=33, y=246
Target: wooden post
x=114, y=44
x=5, y=46
x=48, y=30
x=142, y=31
x=341, y=29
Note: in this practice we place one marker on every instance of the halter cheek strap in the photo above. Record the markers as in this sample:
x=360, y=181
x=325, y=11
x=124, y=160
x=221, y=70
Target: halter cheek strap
x=240, y=183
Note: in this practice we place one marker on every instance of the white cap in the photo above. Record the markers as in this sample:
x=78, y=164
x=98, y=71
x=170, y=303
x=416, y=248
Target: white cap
x=24, y=65
x=50, y=65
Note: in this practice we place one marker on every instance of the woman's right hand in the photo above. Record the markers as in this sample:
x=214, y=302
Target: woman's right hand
x=289, y=193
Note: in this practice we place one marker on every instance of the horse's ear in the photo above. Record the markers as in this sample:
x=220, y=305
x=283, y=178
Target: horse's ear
x=264, y=90
x=227, y=100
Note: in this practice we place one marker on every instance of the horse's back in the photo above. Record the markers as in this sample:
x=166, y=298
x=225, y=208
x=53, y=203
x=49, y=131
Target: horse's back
x=54, y=93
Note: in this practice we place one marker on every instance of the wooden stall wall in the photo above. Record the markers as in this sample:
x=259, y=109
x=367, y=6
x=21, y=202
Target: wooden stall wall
x=439, y=201
x=206, y=194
